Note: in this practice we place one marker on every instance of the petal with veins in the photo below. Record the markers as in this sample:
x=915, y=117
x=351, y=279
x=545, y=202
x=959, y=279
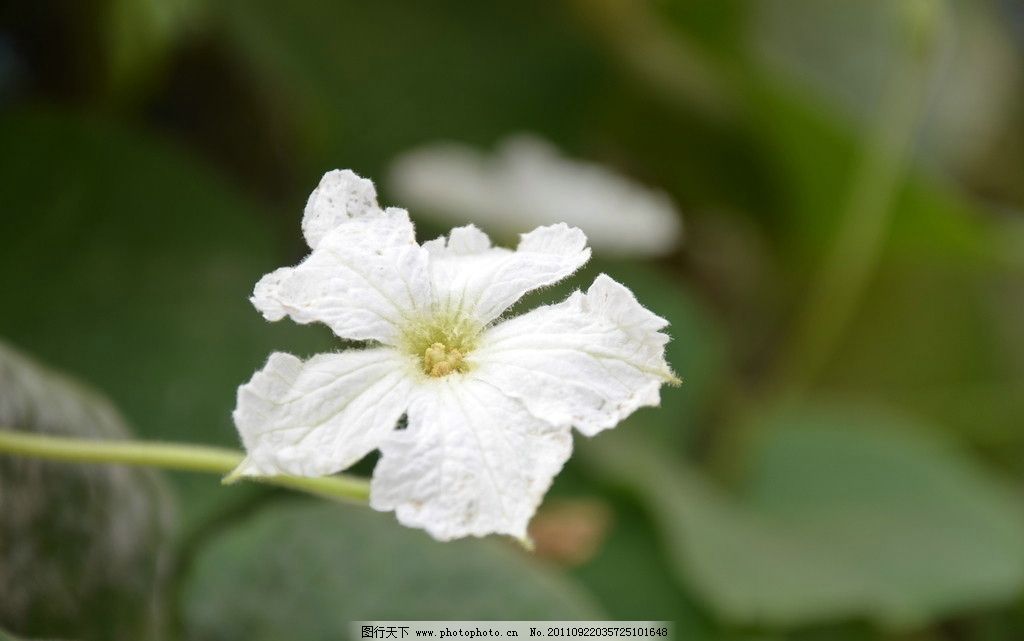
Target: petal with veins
x=472, y=278
x=365, y=279
x=320, y=416
x=471, y=462
x=340, y=196
x=589, y=361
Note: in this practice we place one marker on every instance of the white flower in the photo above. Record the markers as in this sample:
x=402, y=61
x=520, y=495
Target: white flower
x=528, y=183
x=490, y=403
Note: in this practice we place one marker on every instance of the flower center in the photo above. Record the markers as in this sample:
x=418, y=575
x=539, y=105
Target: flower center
x=441, y=343
x=441, y=360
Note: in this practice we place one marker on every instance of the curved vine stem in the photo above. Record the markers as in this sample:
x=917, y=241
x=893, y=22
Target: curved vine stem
x=171, y=456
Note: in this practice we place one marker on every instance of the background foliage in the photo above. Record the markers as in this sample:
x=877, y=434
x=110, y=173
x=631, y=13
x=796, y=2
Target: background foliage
x=845, y=460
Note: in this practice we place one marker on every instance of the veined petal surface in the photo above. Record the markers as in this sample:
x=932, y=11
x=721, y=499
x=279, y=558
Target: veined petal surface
x=589, y=361
x=320, y=416
x=472, y=278
x=364, y=279
x=341, y=196
x=472, y=462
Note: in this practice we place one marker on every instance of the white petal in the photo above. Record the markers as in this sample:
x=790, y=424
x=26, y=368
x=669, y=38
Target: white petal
x=526, y=183
x=340, y=196
x=320, y=416
x=461, y=241
x=476, y=280
x=472, y=462
x=365, y=279
x=589, y=361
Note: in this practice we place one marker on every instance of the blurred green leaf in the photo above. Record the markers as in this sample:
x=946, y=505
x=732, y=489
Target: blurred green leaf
x=851, y=631
x=814, y=151
x=366, y=80
x=930, y=336
x=84, y=549
x=841, y=50
x=627, y=572
x=943, y=342
x=815, y=155
x=139, y=37
x=631, y=579
x=843, y=514
x=7, y=636
x=720, y=25
x=306, y=570
x=132, y=269
x=792, y=165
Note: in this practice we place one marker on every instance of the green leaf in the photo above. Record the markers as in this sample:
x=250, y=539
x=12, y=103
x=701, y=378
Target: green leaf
x=84, y=549
x=843, y=514
x=134, y=264
x=306, y=570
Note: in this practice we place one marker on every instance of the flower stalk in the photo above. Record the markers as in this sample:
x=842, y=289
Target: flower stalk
x=171, y=456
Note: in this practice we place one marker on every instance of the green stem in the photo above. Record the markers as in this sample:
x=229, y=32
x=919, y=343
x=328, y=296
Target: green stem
x=188, y=458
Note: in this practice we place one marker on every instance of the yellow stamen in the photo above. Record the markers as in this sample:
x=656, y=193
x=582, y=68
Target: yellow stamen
x=440, y=360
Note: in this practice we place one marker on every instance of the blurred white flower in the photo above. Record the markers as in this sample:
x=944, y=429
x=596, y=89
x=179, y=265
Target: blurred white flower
x=528, y=183
x=489, y=403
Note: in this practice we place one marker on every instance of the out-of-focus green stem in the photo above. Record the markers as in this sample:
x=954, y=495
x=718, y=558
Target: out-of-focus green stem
x=189, y=458
x=839, y=286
